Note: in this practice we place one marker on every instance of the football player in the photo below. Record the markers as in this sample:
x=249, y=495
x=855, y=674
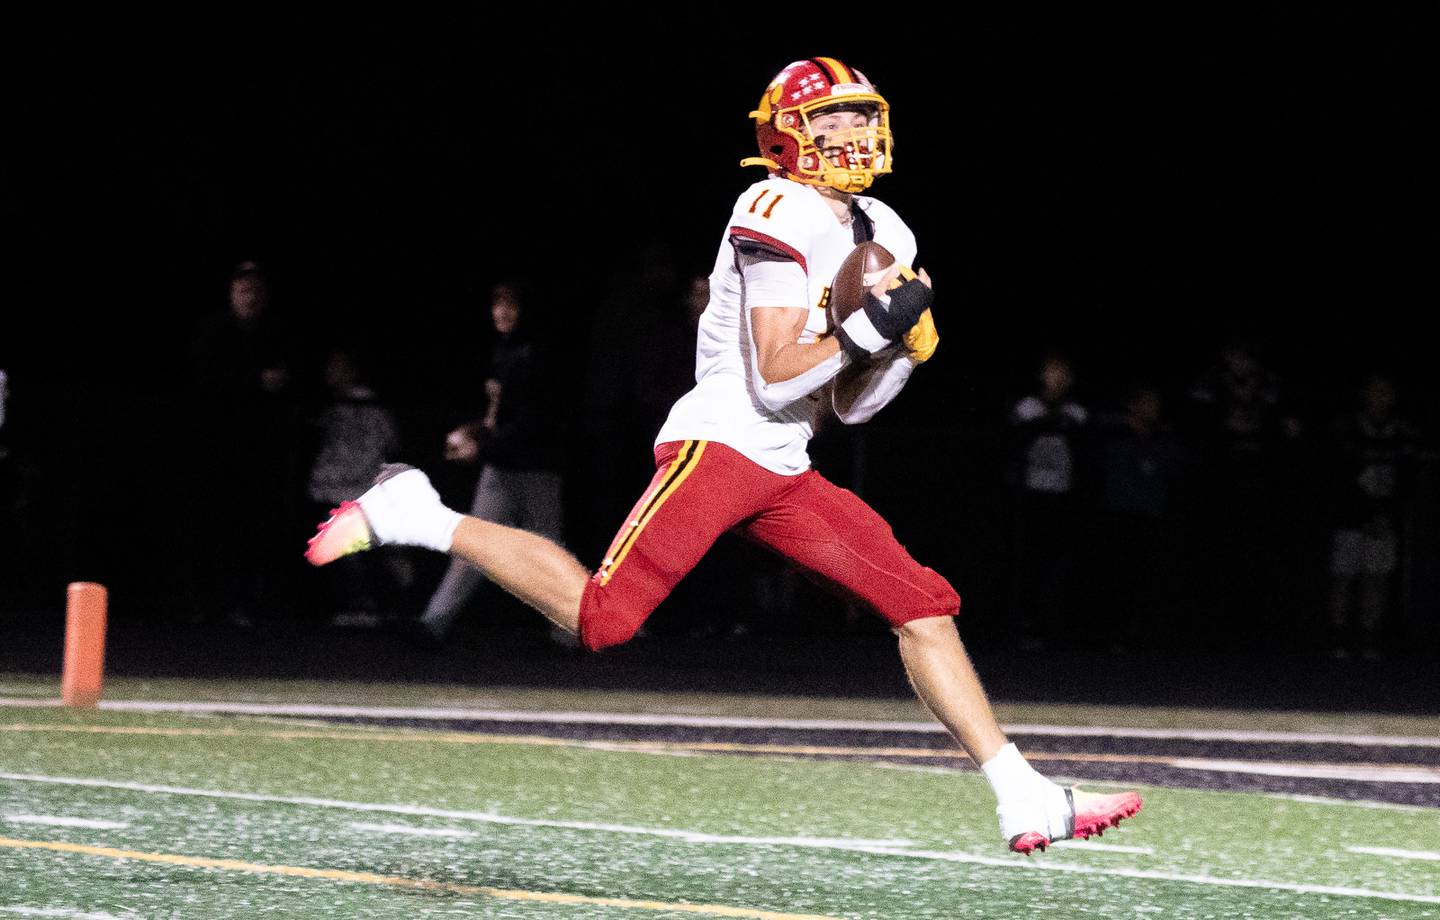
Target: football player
x=732, y=454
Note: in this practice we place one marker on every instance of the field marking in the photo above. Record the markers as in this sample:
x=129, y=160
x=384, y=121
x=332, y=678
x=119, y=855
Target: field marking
x=1154, y=875
x=698, y=721
x=1346, y=803
x=370, y=878
x=1090, y=846
x=1372, y=773
x=1397, y=854
x=344, y=734
x=59, y=821
x=413, y=831
x=919, y=768
x=1365, y=773
x=878, y=848
x=62, y=913
x=825, y=843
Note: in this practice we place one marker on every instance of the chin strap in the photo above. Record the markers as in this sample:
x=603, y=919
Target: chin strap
x=852, y=184
x=760, y=161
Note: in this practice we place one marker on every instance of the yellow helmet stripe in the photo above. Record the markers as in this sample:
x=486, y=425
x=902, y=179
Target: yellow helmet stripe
x=839, y=73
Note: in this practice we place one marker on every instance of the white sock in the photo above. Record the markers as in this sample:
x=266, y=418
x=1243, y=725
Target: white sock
x=405, y=509
x=1025, y=800
x=1011, y=776
x=440, y=534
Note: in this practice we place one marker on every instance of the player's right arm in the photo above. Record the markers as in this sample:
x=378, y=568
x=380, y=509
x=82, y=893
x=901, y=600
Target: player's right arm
x=782, y=368
x=771, y=229
x=779, y=355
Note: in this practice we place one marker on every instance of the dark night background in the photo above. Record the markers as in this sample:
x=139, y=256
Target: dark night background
x=1130, y=190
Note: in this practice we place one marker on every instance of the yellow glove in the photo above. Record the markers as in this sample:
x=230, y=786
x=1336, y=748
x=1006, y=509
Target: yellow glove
x=922, y=339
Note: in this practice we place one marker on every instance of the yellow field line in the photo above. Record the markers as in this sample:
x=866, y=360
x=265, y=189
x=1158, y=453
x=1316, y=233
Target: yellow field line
x=642, y=747
x=370, y=878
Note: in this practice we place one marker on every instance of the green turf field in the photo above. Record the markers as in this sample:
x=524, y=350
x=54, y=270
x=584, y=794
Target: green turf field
x=122, y=814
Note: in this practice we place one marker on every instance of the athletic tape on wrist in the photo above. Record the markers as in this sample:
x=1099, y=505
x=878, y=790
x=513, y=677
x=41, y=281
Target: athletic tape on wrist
x=862, y=332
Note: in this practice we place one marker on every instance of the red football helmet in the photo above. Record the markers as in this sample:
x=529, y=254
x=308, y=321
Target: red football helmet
x=848, y=160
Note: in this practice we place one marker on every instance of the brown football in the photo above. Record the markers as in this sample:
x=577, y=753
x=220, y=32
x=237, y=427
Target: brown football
x=861, y=270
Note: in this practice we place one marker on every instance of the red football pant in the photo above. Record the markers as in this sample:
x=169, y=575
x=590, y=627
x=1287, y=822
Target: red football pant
x=702, y=489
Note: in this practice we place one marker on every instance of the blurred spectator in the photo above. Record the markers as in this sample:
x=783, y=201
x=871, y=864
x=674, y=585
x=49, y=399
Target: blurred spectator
x=1370, y=456
x=1047, y=427
x=1238, y=402
x=517, y=440
x=355, y=435
x=1139, y=463
x=1244, y=525
x=245, y=425
x=641, y=359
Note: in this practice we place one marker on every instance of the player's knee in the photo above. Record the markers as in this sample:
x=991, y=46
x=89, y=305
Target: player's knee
x=603, y=625
x=937, y=599
x=950, y=601
x=603, y=633
x=924, y=629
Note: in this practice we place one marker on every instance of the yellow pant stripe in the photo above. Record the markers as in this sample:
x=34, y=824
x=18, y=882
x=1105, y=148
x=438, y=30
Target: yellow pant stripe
x=680, y=470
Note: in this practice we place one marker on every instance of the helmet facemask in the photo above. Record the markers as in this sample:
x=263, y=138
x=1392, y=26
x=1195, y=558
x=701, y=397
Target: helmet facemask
x=847, y=159
x=785, y=127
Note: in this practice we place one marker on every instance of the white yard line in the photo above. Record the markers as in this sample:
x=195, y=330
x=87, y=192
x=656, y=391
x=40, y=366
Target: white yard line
x=479, y=816
x=453, y=832
x=899, y=849
x=1355, y=772
x=1089, y=846
x=970, y=859
x=1346, y=803
x=58, y=821
x=916, y=768
x=622, y=748
x=1395, y=854
x=698, y=721
x=60, y=913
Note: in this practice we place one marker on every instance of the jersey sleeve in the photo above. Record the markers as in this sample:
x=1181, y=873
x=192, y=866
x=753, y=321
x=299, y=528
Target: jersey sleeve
x=772, y=282
x=773, y=215
x=871, y=388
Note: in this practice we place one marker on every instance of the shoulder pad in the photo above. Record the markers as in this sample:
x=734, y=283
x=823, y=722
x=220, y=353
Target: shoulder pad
x=781, y=215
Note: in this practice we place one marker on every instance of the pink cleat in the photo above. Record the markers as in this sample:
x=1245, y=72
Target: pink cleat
x=400, y=509
x=345, y=532
x=1090, y=814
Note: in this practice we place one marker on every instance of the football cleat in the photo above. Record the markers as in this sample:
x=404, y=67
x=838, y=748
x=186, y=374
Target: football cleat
x=345, y=532
x=400, y=508
x=1090, y=815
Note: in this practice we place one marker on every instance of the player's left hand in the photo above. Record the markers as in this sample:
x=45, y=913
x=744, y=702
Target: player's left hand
x=910, y=295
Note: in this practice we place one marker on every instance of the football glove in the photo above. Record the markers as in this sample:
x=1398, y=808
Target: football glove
x=881, y=323
x=922, y=339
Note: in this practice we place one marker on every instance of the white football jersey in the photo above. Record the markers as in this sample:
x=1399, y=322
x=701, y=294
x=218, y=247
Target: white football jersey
x=793, y=218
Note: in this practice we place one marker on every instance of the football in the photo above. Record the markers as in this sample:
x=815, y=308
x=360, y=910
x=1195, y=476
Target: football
x=862, y=269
